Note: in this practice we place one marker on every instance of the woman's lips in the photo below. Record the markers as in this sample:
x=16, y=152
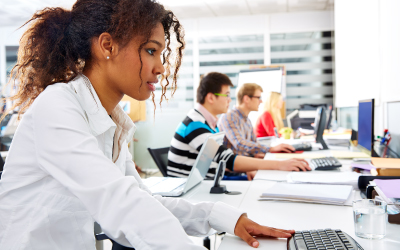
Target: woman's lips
x=151, y=86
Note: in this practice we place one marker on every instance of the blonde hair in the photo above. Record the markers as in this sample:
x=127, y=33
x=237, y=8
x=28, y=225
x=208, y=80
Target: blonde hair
x=270, y=105
x=247, y=89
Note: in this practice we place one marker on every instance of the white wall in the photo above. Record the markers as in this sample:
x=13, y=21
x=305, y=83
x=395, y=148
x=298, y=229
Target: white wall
x=389, y=44
x=356, y=51
x=367, y=54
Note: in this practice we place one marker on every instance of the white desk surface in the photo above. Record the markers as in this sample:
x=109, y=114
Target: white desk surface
x=289, y=215
x=302, y=216
x=202, y=192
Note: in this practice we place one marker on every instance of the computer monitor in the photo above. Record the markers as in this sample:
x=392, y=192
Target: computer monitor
x=366, y=126
x=319, y=123
x=203, y=161
x=328, y=123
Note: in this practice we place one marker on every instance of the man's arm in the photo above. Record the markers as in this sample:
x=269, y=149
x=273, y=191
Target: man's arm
x=230, y=124
x=246, y=164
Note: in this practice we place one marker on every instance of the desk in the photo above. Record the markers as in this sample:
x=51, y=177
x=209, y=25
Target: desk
x=302, y=216
x=289, y=215
x=202, y=192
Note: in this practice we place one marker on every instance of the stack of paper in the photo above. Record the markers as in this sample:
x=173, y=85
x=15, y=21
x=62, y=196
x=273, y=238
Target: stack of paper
x=324, y=194
x=341, y=178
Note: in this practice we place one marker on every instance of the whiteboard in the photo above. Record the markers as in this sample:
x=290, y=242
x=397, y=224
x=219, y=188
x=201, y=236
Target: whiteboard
x=269, y=79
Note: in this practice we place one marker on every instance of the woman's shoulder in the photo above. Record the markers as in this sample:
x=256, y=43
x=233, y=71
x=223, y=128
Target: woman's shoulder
x=266, y=114
x=56, y=95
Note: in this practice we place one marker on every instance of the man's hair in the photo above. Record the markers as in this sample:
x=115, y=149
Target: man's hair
x=211, y=83
x=247, y=89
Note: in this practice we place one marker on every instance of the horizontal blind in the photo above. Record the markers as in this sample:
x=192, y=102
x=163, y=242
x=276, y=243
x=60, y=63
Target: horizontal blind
x=229, y=55
x=308, y=60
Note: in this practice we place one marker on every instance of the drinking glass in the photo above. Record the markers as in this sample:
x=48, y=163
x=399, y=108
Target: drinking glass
x=370, y=217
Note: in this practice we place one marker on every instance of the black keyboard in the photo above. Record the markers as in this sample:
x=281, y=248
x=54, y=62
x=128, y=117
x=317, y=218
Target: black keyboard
x=327, y=163
x=302, y=147
x=322, y=239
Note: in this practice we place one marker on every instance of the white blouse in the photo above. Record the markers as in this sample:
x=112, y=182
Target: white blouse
x=61, y=175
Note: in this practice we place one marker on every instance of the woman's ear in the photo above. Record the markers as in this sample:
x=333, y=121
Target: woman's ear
x=107, y=45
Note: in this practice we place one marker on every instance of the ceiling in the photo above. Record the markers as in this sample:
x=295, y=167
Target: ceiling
x=16, y=12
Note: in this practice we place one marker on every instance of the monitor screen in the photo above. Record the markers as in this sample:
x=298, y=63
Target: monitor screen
x=366, y=123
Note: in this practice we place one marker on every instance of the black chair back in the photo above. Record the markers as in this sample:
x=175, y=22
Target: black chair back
x=1, y=163
x=115, y=245
x=160, y=156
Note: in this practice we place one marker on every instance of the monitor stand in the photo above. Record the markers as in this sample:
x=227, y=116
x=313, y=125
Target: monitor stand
x=323, y=143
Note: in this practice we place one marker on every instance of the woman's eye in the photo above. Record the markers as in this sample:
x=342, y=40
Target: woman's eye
x=151, y=51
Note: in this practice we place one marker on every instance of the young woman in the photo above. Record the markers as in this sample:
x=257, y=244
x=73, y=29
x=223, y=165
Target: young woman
x=68, y=164
x=271, y=118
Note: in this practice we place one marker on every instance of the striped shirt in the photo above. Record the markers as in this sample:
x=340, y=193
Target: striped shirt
x=187, y=142
x=239, y=134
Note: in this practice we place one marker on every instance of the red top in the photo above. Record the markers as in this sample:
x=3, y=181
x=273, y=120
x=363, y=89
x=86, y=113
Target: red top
x=264, y=125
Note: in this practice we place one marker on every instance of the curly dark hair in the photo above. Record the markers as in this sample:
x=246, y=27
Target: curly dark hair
x=57, y=45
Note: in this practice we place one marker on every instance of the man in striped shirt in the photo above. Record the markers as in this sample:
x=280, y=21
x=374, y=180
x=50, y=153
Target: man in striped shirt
x=239, y=131
x=213, y=97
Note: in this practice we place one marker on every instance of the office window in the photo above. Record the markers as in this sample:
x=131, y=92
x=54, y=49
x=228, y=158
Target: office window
x=230, y=54
x=183, y=96
x=11, y=58
x=308, y=60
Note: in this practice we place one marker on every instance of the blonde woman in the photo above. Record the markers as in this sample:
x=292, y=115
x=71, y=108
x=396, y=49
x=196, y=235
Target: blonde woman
x=271, y=118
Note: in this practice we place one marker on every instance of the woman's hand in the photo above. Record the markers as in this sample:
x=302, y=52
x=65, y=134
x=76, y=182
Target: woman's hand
x=246, y=229
x=294, y=165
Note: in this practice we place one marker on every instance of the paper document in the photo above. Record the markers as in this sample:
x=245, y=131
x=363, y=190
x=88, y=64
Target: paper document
x=391, y=188
x=325, y=194
x=349, y=154
x=271, y=175
x=364, y=166
x=341, y=178
x=299, y=156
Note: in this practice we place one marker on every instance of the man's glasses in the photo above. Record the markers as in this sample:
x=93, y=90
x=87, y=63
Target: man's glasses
x=259, y=97
x=226, y=95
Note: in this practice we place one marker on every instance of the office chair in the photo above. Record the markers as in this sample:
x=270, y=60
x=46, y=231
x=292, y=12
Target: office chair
x=160, y=156
x=1, y=163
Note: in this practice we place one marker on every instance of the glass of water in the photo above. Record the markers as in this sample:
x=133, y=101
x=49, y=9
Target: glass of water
x=370, y=217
